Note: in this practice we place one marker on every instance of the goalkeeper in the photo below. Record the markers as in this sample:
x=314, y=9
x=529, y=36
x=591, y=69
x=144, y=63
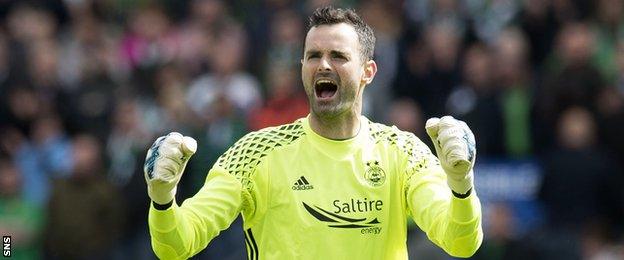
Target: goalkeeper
x=333, y=185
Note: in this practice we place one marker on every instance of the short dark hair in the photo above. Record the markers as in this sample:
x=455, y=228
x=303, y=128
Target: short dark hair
x=329, y=15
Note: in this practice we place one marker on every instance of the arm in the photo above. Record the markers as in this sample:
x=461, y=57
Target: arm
x=179, y=232
x=440, y=193
x=452, y=223
x=182, y=231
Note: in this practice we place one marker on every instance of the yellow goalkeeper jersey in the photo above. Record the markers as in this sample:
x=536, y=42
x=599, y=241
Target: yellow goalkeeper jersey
x=303, y=196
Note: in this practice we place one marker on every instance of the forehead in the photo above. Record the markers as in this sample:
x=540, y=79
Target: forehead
x=340, y=37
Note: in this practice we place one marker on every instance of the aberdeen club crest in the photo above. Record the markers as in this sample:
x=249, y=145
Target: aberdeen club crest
x=374, y=175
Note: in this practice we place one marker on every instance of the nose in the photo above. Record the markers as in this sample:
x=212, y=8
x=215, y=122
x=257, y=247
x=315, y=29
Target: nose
x=324, y=65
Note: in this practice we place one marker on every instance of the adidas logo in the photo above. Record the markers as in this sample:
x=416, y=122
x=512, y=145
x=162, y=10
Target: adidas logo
x=302, y=184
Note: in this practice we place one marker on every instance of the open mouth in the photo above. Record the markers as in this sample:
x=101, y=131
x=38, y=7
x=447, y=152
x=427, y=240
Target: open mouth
x=325, y=88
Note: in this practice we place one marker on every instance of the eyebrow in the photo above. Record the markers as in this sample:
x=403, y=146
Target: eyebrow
x=333, y=52
x=310, y=52
x=341, y=53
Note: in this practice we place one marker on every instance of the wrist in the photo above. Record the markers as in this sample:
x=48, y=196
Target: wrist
x=462, y=185
x=160, y=196
x=162, y=206
x=462, y=196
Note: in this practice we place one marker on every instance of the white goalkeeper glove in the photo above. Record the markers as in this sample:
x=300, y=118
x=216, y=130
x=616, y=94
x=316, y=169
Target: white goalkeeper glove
x=164, y=165
x=455, y=146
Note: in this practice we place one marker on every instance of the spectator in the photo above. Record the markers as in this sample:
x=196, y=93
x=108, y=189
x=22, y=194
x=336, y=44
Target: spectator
x=611, y=122
x=37, y=142
x=537, y=20
x=84, y=210
x=406, y=115
x=286, y=33
x=31, y=23
x=384, y=19
x=128, y=135
x=22, y=105
x=151, y=41
x=579, y=188
x=285, y=103
x=574, y=80
x=608, y=28
x=168, y=110
x=477, y=101
x=19, y=218
x=415, y=62
x=432, y=68
x=444, y=43
x=428, y=12
x=515, y=82
x=227, y=80
x=87, y=50
x=52, y=146
x=125, y=142
x=198, y=31
x=227, y=126
x=501, y=241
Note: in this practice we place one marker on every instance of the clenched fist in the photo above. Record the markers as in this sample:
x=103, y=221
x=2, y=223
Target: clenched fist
x=455, y=146
x=164, y=165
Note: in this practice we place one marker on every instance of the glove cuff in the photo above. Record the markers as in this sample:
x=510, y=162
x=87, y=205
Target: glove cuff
x=161, y=206
x=461, y=186
x=161, y=197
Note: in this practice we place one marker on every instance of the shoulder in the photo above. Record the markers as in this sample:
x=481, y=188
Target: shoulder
x=408, y=146
x=391, y=135
x=248, y=151
x=405, y=142
x=272, y=137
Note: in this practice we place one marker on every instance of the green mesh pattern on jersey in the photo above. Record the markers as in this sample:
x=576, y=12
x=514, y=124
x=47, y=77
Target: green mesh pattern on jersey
x=243, y=157
x=418, y=154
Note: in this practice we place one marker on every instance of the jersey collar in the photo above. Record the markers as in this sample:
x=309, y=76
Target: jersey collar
x=337, y=149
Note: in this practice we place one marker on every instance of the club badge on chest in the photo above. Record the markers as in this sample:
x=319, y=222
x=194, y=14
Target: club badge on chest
x=374, y=174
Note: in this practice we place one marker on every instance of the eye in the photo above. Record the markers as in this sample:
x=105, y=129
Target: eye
x=339, y=56
x=313, y=56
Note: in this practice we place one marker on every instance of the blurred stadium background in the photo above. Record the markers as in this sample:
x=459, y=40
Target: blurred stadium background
x=86, y=86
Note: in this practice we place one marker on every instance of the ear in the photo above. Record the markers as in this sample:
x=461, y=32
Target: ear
x=370, y=69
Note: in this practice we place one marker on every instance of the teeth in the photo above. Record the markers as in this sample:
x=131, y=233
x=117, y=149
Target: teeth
x=323, y=81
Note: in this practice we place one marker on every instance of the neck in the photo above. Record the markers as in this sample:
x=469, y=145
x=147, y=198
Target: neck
x=337, y=128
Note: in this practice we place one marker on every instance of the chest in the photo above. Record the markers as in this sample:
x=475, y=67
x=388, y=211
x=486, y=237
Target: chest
x=356, y=192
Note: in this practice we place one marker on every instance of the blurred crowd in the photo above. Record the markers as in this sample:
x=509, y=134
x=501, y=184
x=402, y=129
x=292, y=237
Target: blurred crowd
x=86, y=86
